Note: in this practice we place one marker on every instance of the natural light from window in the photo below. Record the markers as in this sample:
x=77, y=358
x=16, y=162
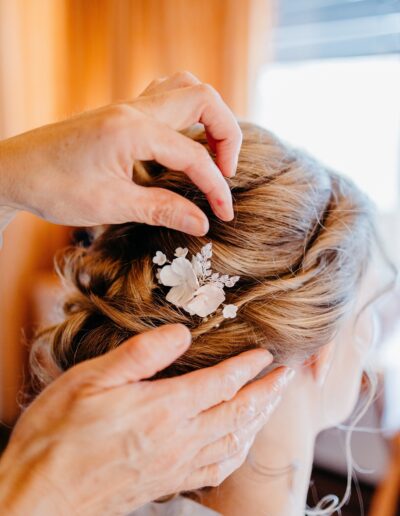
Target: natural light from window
x=344, y=111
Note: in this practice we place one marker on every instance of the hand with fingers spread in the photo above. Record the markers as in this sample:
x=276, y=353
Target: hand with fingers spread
x=79, y=172
x=102, y=440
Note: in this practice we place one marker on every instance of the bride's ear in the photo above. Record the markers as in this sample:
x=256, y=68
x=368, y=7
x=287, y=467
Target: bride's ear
x=320, y=363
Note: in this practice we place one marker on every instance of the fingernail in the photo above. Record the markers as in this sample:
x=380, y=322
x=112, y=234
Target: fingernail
x=234, y=166
x=184, y=336
x=223, y=210
x=196, y=226
x=266, y=358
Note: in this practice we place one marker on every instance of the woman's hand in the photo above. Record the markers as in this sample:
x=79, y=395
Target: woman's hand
x=79, y=172
x=100, y=440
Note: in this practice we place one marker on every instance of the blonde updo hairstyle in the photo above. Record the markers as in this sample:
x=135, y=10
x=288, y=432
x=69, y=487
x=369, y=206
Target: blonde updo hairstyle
x=299, y=242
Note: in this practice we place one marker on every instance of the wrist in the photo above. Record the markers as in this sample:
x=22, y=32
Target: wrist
x=8, y=180
x=20, y=161
x=24, y=491
x=10, y=184
x=24, y=173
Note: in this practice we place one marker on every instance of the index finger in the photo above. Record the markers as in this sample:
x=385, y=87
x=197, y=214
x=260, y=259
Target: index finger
x=205, y=388
x=178, y=152
x=222, y=129
x=182, y=107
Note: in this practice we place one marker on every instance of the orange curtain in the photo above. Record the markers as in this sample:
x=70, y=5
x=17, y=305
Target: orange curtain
x=116, y=47
x=31, y=45
x=59, y=57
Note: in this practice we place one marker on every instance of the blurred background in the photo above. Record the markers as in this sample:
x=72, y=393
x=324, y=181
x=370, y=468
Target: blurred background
x=323, y=74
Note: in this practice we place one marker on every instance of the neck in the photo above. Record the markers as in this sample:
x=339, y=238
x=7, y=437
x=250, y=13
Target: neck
x=275, y=478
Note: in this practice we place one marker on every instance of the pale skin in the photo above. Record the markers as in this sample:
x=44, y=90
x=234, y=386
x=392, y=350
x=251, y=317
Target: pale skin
x=101, y=439
x=322, y=395
x=79, y=172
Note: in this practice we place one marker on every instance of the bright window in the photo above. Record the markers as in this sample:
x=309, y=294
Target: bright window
x=333, y=89
x=344, y=111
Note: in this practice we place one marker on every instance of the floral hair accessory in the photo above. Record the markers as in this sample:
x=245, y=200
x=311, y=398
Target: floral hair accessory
x=194, y=286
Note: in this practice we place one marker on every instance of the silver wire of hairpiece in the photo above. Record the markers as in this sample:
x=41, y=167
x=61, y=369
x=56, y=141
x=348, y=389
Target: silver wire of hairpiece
x=194, y=286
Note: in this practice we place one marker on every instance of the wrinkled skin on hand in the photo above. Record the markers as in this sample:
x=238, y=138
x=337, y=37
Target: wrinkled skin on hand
x=79, y=172
x=103, y=440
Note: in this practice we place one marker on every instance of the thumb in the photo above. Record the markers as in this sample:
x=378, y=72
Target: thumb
x=139, y=357
x=161, y=207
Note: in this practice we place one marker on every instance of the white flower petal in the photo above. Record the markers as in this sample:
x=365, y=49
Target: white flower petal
x=159, y=258
x=231, y=282
x=206, y=300
x=169, y=277
x=184, y=269
x=234, y=279
x=196, y=266
x=181, y=252
x=180, y=295
x=180, y=271
x=229, y=311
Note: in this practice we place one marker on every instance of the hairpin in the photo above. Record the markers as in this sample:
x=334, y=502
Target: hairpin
x=194, y=286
